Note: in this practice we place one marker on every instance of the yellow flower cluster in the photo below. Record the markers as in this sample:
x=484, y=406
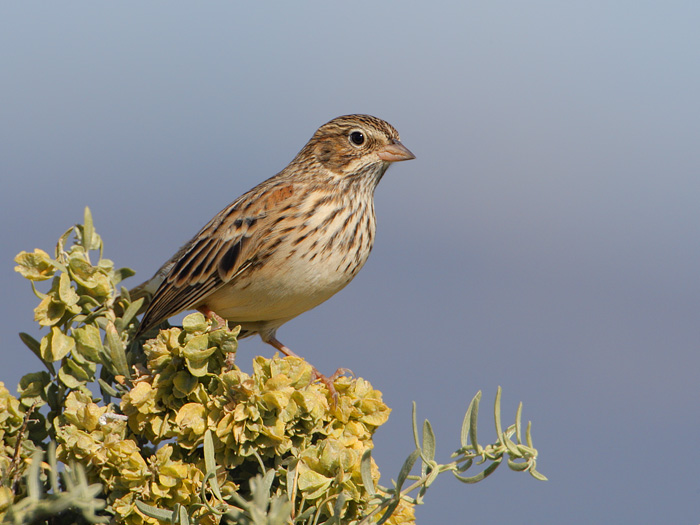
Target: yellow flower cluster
x=11, y=420
x=77, y=281
x=113, y=456
x=191, y=428
x=276, y=416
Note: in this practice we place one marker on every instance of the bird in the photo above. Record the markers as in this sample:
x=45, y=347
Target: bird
x=288, y=244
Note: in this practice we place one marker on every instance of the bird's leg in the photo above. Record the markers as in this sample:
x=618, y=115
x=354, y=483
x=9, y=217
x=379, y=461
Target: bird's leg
x=316, y=375
x=219, y=322
x=272, y=340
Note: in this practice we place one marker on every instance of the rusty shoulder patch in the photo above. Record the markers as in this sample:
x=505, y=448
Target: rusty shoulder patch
x=278, y=195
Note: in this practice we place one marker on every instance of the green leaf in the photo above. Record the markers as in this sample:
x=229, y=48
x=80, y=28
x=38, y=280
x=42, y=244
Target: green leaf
x=184, y=384
x=195, y=322
x=53, y=464
x=37, y=266
x=303, y=517
x=155, y=512
x=88, y=231
x=481, y=475
x=366, y=472
x=210, y=464
x=33, y=345
x=337, y=510
x=290, y=477
x=428, y=455
x=66, y=293
x=510, y=446
x=406, y=469
x=88, y=342
x=49, y=311
x=518, y=466
x=389, y=511
x=428, y=441
x=120, y=274
x=116, y=350
x=416, y=440
x=526, y=451
x=90, y=278
x=313, y=484
x=34, y=489
x=68, y=378
x=183, y=518
x=470, y=422
x=55, y=345
x=225, y=339
x=538, y=475
x=209, y=461
x=84, y=371
x=132, y=311
x=466, y=465
x=497, y=415
x=107, y=388
x=51, y=396
x=268, y=479
x=197, y=353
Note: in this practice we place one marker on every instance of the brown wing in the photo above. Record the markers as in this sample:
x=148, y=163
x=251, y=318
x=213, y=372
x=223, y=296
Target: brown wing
x=220, y=252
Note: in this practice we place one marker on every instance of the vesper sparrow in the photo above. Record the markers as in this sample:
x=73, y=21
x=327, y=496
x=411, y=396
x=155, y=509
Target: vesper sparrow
x=288, y=244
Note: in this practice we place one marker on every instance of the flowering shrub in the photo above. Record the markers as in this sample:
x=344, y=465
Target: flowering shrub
x=178, y=433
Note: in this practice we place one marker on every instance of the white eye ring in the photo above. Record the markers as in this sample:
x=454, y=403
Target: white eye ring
x=356, y=138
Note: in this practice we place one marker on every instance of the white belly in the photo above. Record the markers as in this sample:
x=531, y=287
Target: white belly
x=279, y=295
x=289, y=284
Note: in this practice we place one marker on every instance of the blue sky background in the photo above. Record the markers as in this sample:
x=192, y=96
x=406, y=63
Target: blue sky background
x=546, y=238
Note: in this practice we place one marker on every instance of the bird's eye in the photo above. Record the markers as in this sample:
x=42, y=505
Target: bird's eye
x=357, y=138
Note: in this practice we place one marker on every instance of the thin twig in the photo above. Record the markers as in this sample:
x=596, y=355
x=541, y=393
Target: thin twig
x=14, y=470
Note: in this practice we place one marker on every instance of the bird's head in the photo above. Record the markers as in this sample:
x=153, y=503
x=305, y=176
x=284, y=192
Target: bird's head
x=353, y=145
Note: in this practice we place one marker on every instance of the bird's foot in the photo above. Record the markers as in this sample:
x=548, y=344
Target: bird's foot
x=329, y=381
x=211, y=315
x=316, y=375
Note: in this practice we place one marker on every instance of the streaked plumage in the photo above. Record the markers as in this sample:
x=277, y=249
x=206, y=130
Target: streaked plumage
x=291, y=242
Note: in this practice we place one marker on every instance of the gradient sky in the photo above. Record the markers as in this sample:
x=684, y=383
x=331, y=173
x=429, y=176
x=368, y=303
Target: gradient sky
x=546, y=238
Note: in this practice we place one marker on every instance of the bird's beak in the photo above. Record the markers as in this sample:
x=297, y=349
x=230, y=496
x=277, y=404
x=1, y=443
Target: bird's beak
x=395, y=152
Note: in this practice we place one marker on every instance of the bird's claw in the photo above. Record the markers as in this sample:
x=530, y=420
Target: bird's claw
x=330, y=380
x=217, y=321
